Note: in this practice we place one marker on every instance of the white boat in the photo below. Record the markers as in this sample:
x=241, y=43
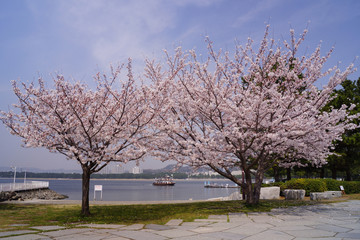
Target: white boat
x=165, y=181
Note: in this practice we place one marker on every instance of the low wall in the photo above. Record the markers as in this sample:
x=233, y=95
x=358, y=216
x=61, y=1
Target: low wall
x=270, y=193
x=265, y=193
x=325, y=195
x=46, y=194
x=14, y=187
x=294, y=194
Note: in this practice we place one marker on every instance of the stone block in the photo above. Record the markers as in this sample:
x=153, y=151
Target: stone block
x=270, y=193
x=6, y=196
x=235, y=196
x=294, y=194
x=158, y=227
x=265, y=193
x=174, y=222
x=324, y=195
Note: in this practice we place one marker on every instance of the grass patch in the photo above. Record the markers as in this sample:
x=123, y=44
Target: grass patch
x=353, y=196
x=347, y=197
x=68, y=215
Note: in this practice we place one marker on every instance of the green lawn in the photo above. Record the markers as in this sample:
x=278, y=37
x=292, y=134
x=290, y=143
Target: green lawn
x=68, y=215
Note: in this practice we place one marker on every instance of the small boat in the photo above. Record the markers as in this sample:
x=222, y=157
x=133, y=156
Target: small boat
x=165, y=181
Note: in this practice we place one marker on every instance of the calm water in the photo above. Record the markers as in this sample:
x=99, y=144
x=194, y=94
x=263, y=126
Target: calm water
x=138, y=190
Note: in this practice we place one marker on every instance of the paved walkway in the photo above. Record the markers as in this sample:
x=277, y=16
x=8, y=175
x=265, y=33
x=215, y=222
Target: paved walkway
x=328, y=221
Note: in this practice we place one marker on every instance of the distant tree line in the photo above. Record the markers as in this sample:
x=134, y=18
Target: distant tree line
x=10, y=174
x=345, y=163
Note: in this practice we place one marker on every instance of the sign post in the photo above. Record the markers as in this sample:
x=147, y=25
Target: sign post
x=99, y=189
x=342, y=190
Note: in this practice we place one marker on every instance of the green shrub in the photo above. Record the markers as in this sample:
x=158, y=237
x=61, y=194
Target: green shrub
x=332, y=184
x=351, y=187
x=321, y=185
x=278, y=184
x=309, y=185
x=315, y=185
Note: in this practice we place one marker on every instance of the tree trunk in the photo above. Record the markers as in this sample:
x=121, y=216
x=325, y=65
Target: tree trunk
x=252, y=191
x=247, y=187
x=348, y=174
x=256, y=192
x=322, y=172
x=288, y=174
x=85, y=209
x=333, y=173
x=259, y=176
x=276, y=174
x=242, y=186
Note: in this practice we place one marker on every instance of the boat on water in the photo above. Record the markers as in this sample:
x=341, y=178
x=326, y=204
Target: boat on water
x=164, y=181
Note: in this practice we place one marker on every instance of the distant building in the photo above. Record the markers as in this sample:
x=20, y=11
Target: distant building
x=136, y=170
x=113, y=169
x=119, y=169
x=238, y=172
x=212, y=173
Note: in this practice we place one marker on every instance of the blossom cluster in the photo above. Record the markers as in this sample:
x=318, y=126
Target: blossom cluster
x=93, y=127
x=252, y=110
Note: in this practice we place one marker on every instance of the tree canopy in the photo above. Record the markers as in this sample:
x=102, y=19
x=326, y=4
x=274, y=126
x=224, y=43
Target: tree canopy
x=347, y=149
x=253, y=110
x=92, y=127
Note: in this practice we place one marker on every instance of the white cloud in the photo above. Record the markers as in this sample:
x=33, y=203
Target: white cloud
x=116, y=30
x=98, y=33
x=256, y=12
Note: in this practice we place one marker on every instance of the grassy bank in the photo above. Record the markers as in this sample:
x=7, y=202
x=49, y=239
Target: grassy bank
x=37, y=214
x=68, y=215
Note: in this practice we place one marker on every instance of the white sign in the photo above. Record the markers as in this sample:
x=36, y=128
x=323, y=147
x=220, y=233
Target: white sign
x=99, y=189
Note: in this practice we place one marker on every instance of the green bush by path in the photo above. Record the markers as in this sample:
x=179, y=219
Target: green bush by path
x=351, y=187
x=320, y=185
x=332, y=184
x=309, y=185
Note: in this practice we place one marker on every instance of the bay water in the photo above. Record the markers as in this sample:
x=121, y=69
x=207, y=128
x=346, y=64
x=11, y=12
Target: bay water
x=137, y=190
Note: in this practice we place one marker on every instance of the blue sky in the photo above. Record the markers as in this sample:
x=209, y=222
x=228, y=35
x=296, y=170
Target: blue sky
x=78, y=38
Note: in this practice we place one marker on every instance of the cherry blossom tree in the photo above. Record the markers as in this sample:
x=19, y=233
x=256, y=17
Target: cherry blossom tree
x=93, y=127
x=250, y=111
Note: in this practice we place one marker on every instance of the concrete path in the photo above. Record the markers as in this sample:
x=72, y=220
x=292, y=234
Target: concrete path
x=327, y=221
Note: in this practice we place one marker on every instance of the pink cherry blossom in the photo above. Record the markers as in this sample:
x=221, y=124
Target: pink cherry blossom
x=250, y=111
x=92, y=127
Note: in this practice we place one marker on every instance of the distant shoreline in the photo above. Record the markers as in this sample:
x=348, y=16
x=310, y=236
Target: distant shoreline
x=125, y=179
x=92, y=203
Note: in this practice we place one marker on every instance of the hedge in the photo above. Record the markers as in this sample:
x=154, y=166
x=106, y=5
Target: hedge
x=320, y=185
x=351, y=187
x=332, y=184
x=309, y=185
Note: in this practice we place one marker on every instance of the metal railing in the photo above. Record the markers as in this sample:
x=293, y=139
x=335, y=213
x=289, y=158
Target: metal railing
x=23, y=186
